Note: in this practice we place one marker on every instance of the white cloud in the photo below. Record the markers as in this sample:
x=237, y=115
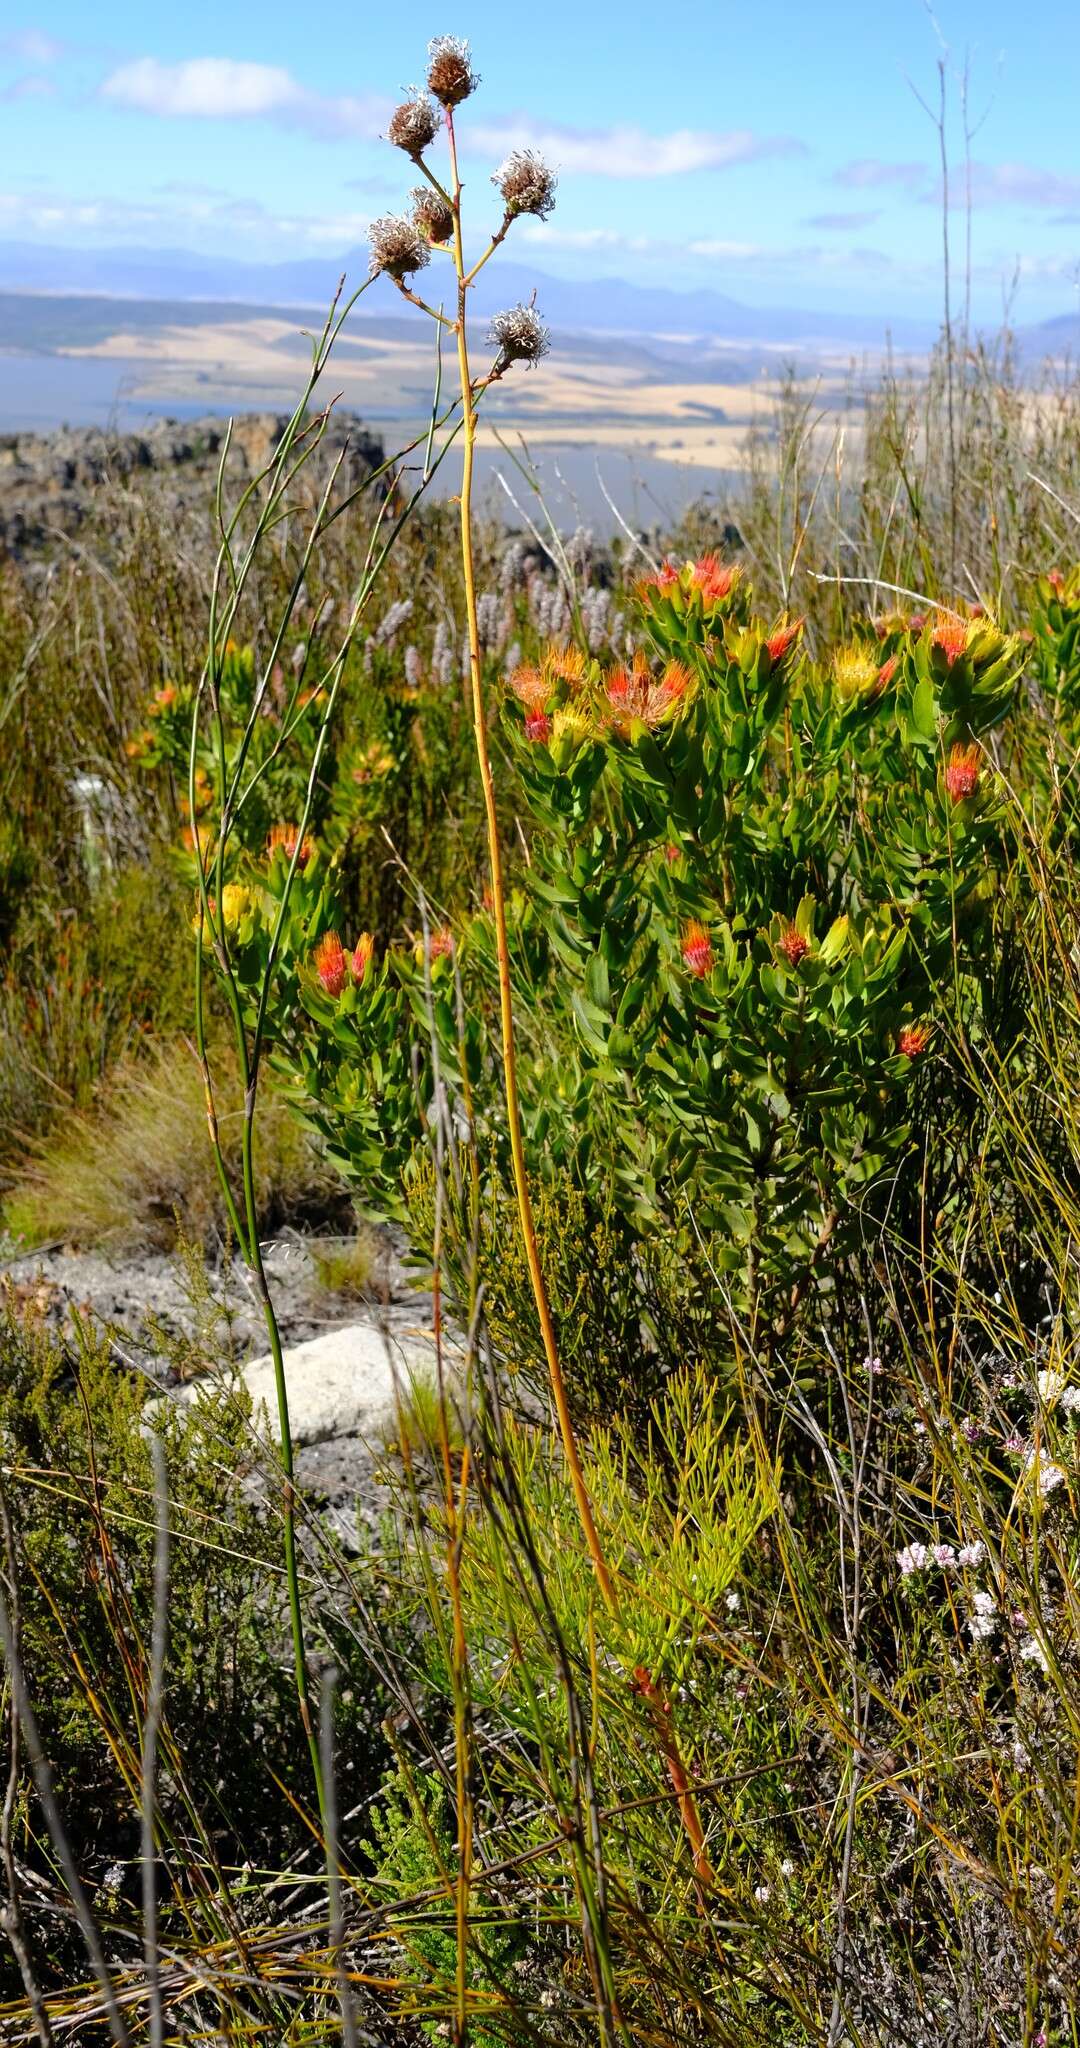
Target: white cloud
x=628, y=152
x=227, y=88
x=870, y=173
x=206, y=215
x=31, y=46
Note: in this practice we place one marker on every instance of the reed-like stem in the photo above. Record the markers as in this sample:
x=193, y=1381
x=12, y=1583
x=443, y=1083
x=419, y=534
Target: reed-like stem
x=498, y=911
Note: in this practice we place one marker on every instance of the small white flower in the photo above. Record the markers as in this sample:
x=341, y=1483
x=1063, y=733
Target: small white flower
x=787, y=1868
x=762, y=1894
x=1021, y=1756
x=982, y=1621
x=944, y=1555
x=732, y=1603
x=913, y=1558
x=1070, y=1400
x=971, y=1553
x=1048, y=1476
x=1032, y=1652
x=1051, y=1385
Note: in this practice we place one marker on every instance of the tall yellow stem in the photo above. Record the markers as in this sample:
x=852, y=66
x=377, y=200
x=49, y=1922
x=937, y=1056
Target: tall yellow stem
x=498, y=904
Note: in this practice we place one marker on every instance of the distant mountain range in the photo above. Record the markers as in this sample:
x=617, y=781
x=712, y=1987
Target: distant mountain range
x=599, y=305
x=602, y=305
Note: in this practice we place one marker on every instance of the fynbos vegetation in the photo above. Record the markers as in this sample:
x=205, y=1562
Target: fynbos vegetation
x=676, y=944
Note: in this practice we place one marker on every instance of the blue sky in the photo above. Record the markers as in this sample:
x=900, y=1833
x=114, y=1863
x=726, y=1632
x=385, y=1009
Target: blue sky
x=776, y=152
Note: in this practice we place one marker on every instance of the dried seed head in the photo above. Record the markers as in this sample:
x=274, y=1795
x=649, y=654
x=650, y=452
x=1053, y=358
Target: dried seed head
x=431, y=215
x=397, y=246
x=450, y=74
x=520, y=335
x=526, y=183
x=414, y=125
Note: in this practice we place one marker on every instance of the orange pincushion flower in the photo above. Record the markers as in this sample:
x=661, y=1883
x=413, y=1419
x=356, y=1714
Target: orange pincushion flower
x=566, y=664
x=284, y=839
x=962, y=772
x=665, y=578
x=530, y=685
x=793, y=944
x=782, y=640
x=951, y=635
x=887, y=671
x=697, y=951
x=912, y=1040
x=537, y=727
x=363, y=954
x=715, y=579
x=329, y=963
x=634, y=693
x=1056, y=581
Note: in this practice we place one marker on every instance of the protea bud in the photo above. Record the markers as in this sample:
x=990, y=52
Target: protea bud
x=519, y=335
x=526, y=184
x=397, y=246
x=793, y=944
x=363, y=954
x=431, y=215
x=962, y=772
x=414, y=125
x=450, y=73
x=912, y=1040
x=697, y=952
x=328, y=960
x=781, y=641
x=286, y=839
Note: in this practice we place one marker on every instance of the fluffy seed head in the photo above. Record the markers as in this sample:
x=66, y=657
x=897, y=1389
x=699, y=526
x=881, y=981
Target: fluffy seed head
x=431, y=215
x=962, y=773
x=519, y=335
x=526, y=183
x=450, y=73
x=697, y=951
x=414, y=125
x=329, y=963
x=397, y=246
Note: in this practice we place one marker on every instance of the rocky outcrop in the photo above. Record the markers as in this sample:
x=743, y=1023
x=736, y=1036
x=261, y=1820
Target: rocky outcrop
x=48, y=481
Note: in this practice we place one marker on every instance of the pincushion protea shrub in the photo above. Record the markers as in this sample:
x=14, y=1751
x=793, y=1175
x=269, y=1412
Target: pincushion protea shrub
x=758, y=877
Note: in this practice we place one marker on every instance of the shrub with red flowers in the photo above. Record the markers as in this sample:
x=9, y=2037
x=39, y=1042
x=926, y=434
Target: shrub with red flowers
x=757, y=874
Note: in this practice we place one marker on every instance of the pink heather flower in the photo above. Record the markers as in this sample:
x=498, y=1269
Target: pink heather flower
x=912, y=1559
x=329, y=962
x=971, y=1554
x=537, y=726
x=962, y=773
x=970, y=1430
x=944, y=1555
x=697, y=951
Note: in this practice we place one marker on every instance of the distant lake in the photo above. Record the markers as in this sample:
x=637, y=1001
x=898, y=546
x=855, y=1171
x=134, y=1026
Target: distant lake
x=41, y=392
